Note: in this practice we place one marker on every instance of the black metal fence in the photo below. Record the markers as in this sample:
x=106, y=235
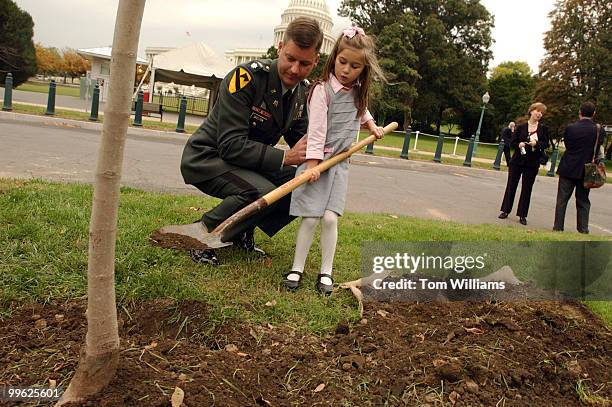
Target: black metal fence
x=172, y=102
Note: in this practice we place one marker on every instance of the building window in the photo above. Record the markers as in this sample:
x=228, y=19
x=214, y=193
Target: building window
x=105, y=68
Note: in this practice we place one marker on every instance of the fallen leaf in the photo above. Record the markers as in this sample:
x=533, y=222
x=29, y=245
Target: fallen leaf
x=254, y=335
x=151, y=346
x=231, y=348
x=453, y=397
x=271, y=303
x=382, y=313
x=182, y=377
x=242, y=354
x=439, y=362
x=52, y=383
x=475, y=331
x=40, y=323
x=177, y=397
x=319, y=388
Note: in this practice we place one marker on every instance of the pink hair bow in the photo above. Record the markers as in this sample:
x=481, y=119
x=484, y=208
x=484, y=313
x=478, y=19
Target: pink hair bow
x=351, y=31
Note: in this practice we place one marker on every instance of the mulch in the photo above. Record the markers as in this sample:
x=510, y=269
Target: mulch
x=400, y=353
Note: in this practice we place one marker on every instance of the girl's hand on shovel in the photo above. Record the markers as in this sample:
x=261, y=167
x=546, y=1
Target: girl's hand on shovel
x=378, y=131
x=315, y=174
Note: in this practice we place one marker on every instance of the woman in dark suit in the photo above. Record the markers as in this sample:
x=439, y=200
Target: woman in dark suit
x=528, y=140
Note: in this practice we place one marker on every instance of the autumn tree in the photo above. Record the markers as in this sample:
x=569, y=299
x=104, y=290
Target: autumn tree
x=73, y=65
x=17, y=54
x=512, y=86
x=100, y=354
x=577, y=65
x=48, y=60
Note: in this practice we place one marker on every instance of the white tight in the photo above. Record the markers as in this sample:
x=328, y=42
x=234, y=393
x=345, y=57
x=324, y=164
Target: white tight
x=329, y=238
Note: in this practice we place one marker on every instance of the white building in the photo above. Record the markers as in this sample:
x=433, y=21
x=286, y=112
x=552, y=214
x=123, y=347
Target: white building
x=239, y=56
x=316, y=9
x=100, y=67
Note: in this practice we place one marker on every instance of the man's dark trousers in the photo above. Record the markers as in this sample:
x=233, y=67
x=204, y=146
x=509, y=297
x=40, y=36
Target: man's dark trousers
x=583, y=204
x=240, y=187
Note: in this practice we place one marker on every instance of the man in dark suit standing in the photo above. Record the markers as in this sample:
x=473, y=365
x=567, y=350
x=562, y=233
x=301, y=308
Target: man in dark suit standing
x=506, y=136
x=231, y=156
x=579, y=138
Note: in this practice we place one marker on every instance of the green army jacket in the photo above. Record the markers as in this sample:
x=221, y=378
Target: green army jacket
x=245, y=124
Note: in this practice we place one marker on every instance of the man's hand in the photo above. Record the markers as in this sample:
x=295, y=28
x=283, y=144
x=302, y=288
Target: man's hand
x=296, y=154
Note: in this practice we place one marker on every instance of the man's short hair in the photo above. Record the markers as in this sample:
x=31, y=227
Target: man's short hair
x=587, y=109
x=305, y=32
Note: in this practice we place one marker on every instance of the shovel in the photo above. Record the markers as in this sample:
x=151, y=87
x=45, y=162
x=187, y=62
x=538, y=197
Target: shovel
x=195, y=235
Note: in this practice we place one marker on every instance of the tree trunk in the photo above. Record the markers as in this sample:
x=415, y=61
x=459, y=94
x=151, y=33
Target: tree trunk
x=100, y=354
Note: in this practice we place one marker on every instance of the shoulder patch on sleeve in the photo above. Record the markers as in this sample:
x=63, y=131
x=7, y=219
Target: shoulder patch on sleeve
x=240, y=79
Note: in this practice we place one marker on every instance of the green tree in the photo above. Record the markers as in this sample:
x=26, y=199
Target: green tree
x=452, y=47
x=577, y=65
x=17, y=54
x=398, y=60
x=512, y=86
x=272, y=53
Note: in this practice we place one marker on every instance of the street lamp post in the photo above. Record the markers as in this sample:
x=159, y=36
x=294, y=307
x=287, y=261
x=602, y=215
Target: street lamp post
x=485, y=100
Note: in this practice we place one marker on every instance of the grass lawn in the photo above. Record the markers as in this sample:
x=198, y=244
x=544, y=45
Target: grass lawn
x=44, y=245
x=429, y=143
x=44, y=88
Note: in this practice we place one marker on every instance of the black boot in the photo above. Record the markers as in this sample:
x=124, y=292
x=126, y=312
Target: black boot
x=246, y=242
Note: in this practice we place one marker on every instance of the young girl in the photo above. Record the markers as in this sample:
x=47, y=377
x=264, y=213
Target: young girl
x=337, y=108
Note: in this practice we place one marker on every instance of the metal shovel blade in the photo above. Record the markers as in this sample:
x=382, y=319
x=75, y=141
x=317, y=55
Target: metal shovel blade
x=185, y=237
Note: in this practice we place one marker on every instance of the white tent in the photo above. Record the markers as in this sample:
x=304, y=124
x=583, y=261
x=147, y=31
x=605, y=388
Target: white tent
x=195, y=64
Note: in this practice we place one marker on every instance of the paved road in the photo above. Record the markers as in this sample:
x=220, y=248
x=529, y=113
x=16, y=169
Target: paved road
x=377, y=184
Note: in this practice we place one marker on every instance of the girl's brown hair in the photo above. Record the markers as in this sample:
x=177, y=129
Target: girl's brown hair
x=362, y=86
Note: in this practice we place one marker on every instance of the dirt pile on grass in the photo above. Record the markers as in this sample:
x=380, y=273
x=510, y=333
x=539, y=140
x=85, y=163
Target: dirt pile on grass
x=427, y=354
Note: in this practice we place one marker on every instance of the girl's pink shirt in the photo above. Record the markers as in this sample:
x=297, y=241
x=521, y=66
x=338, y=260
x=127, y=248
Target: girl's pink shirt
x=317, y=119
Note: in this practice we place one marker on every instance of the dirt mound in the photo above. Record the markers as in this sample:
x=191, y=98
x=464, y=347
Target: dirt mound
x=426, y=354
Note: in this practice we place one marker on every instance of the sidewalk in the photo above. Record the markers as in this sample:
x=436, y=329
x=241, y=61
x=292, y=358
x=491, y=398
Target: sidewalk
x=80, y=105
x=429, y=153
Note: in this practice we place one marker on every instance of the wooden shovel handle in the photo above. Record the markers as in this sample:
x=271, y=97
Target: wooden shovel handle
x=304, y=177
x=289, y=186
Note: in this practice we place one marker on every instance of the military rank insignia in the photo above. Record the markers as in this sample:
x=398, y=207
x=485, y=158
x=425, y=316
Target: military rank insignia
x=240, y=79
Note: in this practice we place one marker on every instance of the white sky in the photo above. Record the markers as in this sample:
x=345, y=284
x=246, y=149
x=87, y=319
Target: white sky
x=518, y=32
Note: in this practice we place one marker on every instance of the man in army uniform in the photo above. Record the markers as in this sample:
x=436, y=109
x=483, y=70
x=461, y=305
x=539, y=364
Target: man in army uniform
x=232, y=155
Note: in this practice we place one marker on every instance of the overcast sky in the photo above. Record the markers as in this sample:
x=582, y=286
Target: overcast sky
x=518, y=32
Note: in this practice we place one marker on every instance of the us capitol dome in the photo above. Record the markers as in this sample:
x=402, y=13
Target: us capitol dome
x=316, y=9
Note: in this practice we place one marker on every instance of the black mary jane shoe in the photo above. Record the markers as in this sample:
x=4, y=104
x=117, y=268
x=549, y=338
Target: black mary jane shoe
x=325, y=289
x=292, y=285
x=204, y=256
x=503, y=215
x=523, y=221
